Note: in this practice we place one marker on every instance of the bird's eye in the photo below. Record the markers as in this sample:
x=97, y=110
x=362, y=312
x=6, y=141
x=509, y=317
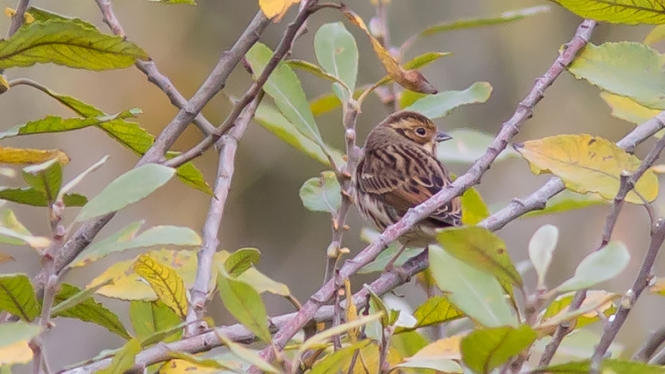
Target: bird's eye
x=421, y=131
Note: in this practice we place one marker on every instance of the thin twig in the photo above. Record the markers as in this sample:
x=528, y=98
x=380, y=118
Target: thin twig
x=292, y=31
x=239, y=333
x=627, y=184
x=647, y=349
x=642, y=280
x=213, y=84
x=225, y=169
x=351, y=111
x=508, y=130
x=17, y=18
x=150, y=70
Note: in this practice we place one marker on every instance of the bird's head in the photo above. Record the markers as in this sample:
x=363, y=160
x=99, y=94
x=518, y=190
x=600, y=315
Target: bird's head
x=414, y=127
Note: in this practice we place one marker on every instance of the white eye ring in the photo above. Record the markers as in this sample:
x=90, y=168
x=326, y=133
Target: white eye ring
x=420, y=131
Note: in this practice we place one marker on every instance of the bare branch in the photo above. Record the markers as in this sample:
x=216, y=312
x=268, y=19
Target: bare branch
x=239, y=333
x=150, y=69
x=284, y=47
x=650, y=345
x=225, y=169
x=508, y=130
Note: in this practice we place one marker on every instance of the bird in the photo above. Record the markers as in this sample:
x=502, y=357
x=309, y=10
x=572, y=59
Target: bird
x=398, y=170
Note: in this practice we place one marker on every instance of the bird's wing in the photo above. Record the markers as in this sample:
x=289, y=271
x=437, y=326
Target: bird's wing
x=404, y=177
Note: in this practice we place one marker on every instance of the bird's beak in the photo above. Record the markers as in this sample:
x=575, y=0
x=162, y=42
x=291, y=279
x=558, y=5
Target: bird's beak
x=442, y=136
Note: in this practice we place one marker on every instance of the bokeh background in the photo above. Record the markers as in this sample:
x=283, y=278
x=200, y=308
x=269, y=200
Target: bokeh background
x=264, y=210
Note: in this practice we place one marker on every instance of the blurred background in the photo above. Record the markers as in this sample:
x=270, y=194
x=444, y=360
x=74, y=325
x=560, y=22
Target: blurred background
x=263, y=209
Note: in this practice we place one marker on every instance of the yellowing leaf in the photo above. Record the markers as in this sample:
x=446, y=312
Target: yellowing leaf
x=16, y=353
x=129, y=286
x=167, y=284
x=14, y=338
x=409, y=79
x=10, y=155
x=629, y=12
x=627, y=109
x=655, y=35
x=588, y=164
x=658, y=287
x=474, y=208
x=276, y=8
x=443, y=348
x=560, y=307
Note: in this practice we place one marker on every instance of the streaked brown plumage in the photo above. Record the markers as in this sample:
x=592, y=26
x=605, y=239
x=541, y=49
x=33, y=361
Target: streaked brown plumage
x=398, y=171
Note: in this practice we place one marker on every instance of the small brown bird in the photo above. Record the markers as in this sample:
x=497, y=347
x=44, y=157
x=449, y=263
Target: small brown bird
x=398, y=171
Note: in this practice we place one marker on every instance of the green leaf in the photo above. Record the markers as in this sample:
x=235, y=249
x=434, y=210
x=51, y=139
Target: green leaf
x=467, y=145
x=408, y=343
x=124, y=239
x=436, y=310
x=285, y=89
x=51, y=124
x=337, y=52
x=43, y=15
x=439, y=105
x=339, y=359
x=626, y=68
x=601, y=265
x=247, y=355
x=628, y=12
x=486, y=349
x=541, y=246
x=241, y=260
x=45, y=178
x=70, y=44
x=275, y=122
x=124, y=359
x=87, y=310
x=9, y=221
x=28, y=196
x=18, y=297
x=474, y=208
x=474, y=292
x=193, y=177
x=481, y=249
x=262, y=283
x=245, y=304
x=505, y=17
x=322, y=194
x=151, y=317
x=377, y=305
x=336, y=330
x=608, y=366
x=568, y=200
x=11, y=333
x=127, y=189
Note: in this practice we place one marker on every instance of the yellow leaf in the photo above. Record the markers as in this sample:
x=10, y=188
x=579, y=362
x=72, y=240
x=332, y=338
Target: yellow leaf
x=167, y=284
x=4, y=85
x=276, y=8
x=351, y=311
x=627, y=109
x=597, y=302
x=184, y=367
x=655, y=35
x=474, y=208
x=588, y=164
x=409, y=79
x=16, y=353
x=9, y=155
x=658, y=287
x=446, y=348
x=129, y=286
x=658, y=169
